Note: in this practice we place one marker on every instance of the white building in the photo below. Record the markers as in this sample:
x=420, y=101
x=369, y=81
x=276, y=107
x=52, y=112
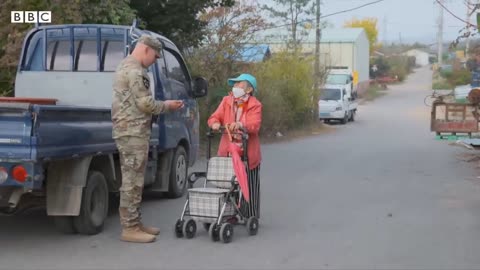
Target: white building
x=343, y=47
x=421, y=57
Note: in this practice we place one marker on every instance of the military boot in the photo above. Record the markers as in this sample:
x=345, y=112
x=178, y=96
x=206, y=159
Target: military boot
x=150, y=230
x=136, y=235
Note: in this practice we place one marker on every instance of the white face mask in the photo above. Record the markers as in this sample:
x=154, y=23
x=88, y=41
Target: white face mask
x=238, y=92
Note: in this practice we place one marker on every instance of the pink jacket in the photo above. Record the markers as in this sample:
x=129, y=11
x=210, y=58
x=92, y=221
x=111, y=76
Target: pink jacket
x=251, y=120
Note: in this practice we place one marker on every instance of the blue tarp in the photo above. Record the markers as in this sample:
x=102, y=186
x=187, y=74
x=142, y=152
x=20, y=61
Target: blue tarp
x=254, y=53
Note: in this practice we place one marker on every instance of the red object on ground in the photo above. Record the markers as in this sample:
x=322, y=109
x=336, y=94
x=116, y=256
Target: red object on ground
x=40, y=101
x=385, y=79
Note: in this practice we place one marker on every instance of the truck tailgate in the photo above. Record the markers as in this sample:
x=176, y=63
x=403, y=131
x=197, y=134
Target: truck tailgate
x=71, y=131
x=32, y=132
x=15, y=131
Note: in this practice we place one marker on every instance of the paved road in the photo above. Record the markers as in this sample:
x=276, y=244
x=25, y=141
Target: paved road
x=377, y=193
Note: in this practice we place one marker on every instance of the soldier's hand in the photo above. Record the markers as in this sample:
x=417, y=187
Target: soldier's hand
x=173, y=105
x=216, y=126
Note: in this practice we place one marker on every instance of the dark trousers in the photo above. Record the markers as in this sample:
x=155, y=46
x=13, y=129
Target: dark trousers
x=252, y=208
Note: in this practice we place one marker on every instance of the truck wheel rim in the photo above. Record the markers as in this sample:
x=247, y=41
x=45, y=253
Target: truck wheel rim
x=181, y=174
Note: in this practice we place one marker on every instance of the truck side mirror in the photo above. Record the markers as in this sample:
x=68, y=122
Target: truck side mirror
x=200, y=87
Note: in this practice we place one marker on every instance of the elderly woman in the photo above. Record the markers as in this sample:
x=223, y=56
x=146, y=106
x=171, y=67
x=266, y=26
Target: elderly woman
x=240, y=110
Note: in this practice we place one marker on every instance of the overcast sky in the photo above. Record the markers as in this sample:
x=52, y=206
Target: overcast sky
x=412, y=20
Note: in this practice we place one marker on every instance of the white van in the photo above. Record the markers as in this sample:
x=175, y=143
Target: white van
x=336, y=104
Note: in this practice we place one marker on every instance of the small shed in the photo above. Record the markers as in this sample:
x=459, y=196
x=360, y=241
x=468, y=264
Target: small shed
x=421, y=57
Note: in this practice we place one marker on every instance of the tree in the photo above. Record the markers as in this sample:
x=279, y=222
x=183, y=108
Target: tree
x=63, y=12
x=177, y=20
x=226, y=32
x=293, y=12
x=370, y=26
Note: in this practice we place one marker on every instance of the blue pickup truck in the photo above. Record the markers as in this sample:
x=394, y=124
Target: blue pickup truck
x=56, y=146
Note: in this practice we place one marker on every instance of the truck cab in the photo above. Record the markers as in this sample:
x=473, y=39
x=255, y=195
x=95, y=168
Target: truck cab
x=56, y=146
x=341, y=77
x=338, y=97
x=335, y=104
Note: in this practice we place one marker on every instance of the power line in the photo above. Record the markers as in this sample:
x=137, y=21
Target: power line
x=325, y=16
x=468, y=4
x=352, y=9
x=451, y=13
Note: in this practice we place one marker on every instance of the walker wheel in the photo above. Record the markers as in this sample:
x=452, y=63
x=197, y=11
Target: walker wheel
x=189, y=228
x=252, y=225
x=179, y=228
x=213, y=232
x=226, y=233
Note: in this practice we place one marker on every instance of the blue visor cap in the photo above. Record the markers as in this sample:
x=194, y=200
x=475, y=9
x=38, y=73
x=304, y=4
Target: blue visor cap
x=244, y=77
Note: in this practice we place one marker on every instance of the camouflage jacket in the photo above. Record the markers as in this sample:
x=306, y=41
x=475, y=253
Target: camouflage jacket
x=133, y=103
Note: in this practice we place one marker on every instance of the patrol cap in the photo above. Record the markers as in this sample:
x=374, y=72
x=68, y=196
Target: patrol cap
x=244, y=77
x=151, y=42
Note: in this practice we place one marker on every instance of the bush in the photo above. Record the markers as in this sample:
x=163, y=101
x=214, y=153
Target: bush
x=400, y=66
x=6, y=82
x=411, y=63
x=459, y=77
x=441, y=85
x=285, y=90
x=446, y=73
x=382, y=66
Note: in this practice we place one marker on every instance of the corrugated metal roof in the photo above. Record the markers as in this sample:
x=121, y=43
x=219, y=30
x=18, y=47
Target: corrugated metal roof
x=339, y=35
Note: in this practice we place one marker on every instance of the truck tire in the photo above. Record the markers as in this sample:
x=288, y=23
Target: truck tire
x=64, y=224
x=94, y=207
x=178, y=174
x=345, y=119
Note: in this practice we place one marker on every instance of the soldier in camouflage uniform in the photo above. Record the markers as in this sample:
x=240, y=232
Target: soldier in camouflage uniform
x=132, y=109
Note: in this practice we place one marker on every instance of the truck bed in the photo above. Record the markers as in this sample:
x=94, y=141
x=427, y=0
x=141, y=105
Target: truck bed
x=32, y=132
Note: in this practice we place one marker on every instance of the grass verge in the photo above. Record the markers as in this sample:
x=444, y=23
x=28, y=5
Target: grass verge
x=373, y=92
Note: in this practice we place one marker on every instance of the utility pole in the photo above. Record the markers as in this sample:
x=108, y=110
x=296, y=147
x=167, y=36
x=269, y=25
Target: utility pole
x=467, y=41
x=385, y=24
x=440, y=35
x=318, y=34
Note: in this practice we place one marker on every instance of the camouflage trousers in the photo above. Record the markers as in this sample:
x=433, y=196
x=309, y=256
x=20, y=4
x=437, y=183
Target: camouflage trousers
x=133, y=153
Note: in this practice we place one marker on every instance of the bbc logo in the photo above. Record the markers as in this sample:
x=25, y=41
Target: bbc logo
x=31, y=16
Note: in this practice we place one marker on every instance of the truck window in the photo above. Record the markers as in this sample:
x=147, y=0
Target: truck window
x=161, y=65
x=337, y=79
x=114, y=52
x=174, y=68
x=58, y=55
x=87, y=56
x=330, y=94
x=35, y=57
